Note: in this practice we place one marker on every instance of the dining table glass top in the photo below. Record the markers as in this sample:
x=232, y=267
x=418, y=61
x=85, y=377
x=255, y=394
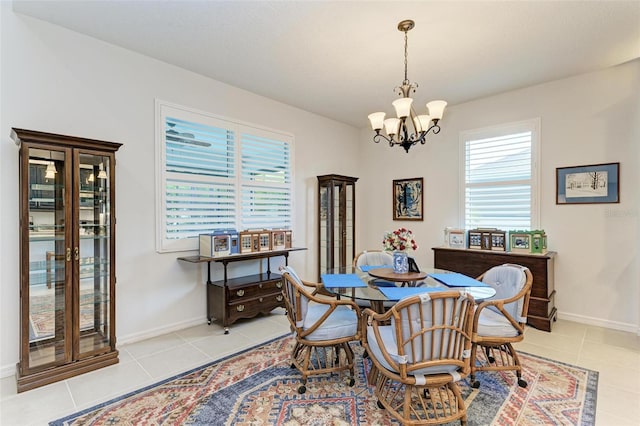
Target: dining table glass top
x=378, y=278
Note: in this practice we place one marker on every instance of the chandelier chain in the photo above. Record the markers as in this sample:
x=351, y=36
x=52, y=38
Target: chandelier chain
x=406, y=42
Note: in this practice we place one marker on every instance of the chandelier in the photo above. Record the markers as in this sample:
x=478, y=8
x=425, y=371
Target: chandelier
x=408, y=128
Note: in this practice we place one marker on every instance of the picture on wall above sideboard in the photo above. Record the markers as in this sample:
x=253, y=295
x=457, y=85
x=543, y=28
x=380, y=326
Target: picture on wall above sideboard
x=597, y=183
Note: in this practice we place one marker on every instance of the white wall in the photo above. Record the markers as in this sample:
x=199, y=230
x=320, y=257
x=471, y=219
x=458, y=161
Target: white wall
x=55, y=80
x=588, y=119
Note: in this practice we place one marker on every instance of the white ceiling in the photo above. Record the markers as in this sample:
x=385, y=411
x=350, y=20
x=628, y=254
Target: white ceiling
x=342, y=59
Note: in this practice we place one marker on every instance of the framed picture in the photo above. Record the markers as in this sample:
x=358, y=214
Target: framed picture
x=597, y=183
x=407, y=199
x=454, y=238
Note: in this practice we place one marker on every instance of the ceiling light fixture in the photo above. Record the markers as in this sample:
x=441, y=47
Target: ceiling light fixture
x=399, y=132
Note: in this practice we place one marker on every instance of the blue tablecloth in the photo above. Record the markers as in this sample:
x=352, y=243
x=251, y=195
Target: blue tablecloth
x=456, y=279
x=342, y=280
x=367, y=268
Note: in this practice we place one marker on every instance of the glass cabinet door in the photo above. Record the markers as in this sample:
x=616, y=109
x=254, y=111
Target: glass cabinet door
x=92, y=253
x=47, y=304
x=336, y=221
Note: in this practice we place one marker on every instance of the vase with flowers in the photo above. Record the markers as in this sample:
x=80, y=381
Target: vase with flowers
x=399, y=241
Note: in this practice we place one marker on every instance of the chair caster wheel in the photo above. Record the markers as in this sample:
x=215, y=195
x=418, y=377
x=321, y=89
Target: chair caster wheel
x=522, y=383
x=491, y=359
x=475, y=384
x=293, y=365
x=352, y=381
x=302, y=389
x=379, y=404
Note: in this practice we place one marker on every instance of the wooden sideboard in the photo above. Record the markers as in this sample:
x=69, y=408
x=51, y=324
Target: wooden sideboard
x=230, y=299
x=542, y=310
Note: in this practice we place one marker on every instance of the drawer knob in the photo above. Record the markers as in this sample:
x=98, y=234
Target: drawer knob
x=279, y=284
x=240, y=293
x=240, y=308
x=260, y=285
x=260, y=300
x=279, y=298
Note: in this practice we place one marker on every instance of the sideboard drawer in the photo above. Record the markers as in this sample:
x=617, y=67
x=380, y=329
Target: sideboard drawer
x=251, y=291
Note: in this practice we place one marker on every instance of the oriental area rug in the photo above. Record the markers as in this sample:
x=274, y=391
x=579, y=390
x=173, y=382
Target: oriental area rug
x=259, y=387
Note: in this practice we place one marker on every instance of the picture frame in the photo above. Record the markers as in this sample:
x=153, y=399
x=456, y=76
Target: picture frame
x=590, y=184
x=520, y=242
x=454, y=238
x=408, y=199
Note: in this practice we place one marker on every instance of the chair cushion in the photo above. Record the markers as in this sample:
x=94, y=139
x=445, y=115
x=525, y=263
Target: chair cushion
x=494, y=324
x=304, y=301
x=375, y=258
x=391, y=346
x=507, y=280
x=343, y=322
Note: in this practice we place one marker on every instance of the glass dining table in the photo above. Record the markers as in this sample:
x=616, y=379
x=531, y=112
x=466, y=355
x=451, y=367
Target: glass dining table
x=379, y=284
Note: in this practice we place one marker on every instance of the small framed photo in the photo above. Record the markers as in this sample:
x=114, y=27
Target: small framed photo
x=454, y=238
x=475, y=240
x=407, y=199
x=520, y=242
x=597, y=183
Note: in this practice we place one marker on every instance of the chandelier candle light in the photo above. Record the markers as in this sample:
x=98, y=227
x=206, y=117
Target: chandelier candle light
x=401, y=131
x=399, y=241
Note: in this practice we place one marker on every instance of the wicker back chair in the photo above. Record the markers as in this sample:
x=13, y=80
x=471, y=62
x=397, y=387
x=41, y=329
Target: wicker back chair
x=323, y=329
x=373, y=258
x=419, y=349
x=500, y=321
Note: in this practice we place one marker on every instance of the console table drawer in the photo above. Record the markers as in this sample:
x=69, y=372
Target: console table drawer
x=249, y=308
x=253, y=290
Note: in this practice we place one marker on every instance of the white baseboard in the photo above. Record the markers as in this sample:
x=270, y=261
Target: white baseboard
x=599, y=322
x=10, y=370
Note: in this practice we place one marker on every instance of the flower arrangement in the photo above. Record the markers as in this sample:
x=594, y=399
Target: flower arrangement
x=399, y=240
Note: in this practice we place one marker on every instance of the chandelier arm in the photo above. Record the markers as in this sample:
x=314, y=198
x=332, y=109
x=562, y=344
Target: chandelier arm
x=379, y=136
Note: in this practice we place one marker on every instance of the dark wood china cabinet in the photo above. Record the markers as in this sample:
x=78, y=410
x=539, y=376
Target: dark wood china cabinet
x=67, y=256
x=336, y=221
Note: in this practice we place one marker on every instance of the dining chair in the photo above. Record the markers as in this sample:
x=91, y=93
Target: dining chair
x=373, y=258
x=419, y=349
x=322, y=327
x=500, y=321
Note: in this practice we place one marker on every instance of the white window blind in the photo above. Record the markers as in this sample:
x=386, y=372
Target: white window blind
x=218, y=174
x=266, y=181
x=500, y=180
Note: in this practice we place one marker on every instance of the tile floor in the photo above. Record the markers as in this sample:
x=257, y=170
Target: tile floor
x=615, y=354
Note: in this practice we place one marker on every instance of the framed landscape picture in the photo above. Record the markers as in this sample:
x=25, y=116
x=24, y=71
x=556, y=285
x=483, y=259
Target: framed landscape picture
x=597, y=183
x=407, y=199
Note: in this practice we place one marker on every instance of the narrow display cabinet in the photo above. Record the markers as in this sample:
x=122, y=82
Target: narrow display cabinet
x=67, y=256
x=336, y=222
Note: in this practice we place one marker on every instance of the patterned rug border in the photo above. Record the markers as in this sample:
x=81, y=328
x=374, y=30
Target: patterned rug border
x=61, y=421
x=589, y=408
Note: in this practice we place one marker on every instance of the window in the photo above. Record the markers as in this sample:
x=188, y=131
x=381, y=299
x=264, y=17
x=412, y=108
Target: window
x=216, y=174
x=499, y=176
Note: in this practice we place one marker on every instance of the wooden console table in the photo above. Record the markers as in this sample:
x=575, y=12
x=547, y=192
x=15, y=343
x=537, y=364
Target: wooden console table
x=243, y=297
x=542, y=310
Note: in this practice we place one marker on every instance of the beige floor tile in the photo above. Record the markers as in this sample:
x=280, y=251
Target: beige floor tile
x=36, y=406
x=106, y=383
x=167, y=363
x=560, y=342
x=613, y=375
x=547, y=352
x=613, y=337
x=621, y=403
x=221, y=345
x=154, y=345
x=611, y=354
